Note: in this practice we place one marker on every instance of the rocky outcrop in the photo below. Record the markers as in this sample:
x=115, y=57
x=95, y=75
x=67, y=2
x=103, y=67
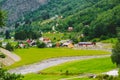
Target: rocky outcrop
x=17, y=8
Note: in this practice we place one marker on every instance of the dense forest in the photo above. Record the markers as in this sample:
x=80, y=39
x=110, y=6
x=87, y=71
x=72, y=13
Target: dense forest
x=91, y=18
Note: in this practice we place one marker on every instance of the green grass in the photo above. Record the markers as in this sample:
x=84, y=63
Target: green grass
x=111, y=40
x=55, y=36
x=86, y=66
x=50, y=77
x=33, y=55
x=42, y=77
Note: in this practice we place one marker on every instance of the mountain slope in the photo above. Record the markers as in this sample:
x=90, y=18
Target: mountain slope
x=17, y=8
x=94, y=21
x=42, y=9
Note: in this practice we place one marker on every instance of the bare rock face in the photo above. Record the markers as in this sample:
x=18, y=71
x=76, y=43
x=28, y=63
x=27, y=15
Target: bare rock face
x=16, y=8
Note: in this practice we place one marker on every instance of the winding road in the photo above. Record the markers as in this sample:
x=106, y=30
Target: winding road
x=36, y=67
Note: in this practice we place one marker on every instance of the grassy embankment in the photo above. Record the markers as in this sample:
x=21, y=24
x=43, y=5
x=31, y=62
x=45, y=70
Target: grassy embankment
x=32, y=55
x=94, y=66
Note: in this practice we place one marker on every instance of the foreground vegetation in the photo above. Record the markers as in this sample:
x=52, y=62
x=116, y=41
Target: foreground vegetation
x=83, y=67
x=32, y=55
x=51, y=77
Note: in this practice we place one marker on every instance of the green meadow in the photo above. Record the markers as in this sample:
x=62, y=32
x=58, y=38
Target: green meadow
x=51, y=77
x=32, y=55
x=83, y=67
x=94, y=66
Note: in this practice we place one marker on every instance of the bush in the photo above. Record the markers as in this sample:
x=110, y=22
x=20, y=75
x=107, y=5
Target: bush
x=2, y=55
x=0, y=44
x=9, y=47
x=104, y=37
x=95, y=40
x=53, y=44
x=21, y=35
x=4, y=75
x=40, y=44
x=17, y=45
x=106, y=77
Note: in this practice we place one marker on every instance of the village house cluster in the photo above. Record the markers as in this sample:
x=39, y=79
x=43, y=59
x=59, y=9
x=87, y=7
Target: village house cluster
x=48, y=42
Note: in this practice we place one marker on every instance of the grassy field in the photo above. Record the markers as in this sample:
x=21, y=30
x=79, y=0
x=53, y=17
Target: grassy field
x=85, y=66
x=33, y=55
x=55, y=36
x=43, y=77
x=50, y=77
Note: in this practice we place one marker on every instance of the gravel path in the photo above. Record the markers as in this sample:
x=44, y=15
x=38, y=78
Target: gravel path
x=34, y=68
x=112, y=72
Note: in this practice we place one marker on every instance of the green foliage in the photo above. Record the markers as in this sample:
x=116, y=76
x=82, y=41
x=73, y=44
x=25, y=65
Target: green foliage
x=53, y=45
x=110, y=40
x=1, y=18
x=100, y=16
x=27, y=31
x=4, y=75
x=41, y=44
x=116, y=54
x=116, y=51
x=7, y=34
x=21, y=35
x=55, y=7
x=104, y=37
x=93, y=18
x=0, y=44
x=9, y=47
x=2, y=55
x=106, y=77
x=75, y=37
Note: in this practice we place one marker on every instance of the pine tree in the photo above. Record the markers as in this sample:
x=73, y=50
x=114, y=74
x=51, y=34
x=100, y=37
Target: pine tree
x=1, y=18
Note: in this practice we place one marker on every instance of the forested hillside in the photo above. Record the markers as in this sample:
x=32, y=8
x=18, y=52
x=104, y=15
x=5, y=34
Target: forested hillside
x=41, y=9
x=92, y=18
x=98, y=20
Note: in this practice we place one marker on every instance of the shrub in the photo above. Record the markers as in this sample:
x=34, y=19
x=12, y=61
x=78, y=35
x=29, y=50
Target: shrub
x=2, y=55
x=21, y=35
x=17, y=45
x=53, y=44
x=106, y=77
x=4, y=75
x=0, y=44
x=9, y=47
x=104, y=37
x=40, y=44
